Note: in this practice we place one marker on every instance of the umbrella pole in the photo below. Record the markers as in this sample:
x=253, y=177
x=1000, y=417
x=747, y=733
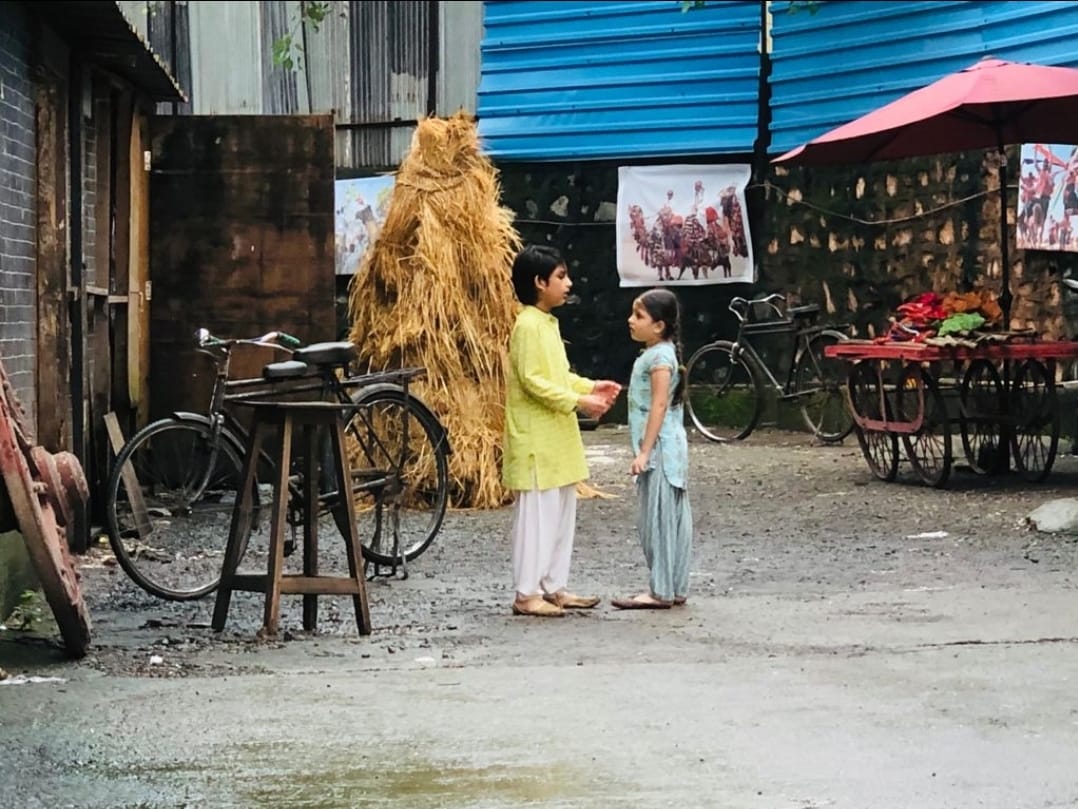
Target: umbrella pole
x=1004, y=251
x=1004, y=448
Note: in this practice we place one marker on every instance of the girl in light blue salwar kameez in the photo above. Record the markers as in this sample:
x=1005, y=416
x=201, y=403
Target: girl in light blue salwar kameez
x=661, y=452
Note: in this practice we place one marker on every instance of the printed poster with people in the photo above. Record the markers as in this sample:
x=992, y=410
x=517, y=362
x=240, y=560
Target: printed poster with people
x=683, y=226
x=1047, y=197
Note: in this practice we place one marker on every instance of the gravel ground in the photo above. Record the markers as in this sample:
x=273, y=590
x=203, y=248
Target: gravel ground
x=776, y=514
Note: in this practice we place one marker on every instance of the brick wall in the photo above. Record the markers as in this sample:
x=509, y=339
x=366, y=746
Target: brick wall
x=18, y=232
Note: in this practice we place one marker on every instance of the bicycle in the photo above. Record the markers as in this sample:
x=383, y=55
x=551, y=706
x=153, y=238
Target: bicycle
x=173, y=484
x=726, y=381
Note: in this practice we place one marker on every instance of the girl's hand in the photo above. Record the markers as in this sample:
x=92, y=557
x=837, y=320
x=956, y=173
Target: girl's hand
x=640, y=464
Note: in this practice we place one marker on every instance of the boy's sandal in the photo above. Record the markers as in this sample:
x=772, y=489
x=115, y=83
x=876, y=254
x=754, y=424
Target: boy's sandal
x=640, y=603
x=571, y=601
x=538, y=607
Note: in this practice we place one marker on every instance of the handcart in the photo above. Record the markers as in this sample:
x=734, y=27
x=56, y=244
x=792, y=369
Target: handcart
x=996, y=402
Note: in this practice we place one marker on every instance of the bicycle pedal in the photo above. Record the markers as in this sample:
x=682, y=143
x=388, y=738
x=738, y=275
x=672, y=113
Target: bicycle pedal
x=289, y=547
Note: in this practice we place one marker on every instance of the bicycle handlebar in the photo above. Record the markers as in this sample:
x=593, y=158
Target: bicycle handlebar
x=272, y=339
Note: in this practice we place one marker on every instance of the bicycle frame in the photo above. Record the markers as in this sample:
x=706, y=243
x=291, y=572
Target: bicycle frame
x=322, y=380
x=798, y=342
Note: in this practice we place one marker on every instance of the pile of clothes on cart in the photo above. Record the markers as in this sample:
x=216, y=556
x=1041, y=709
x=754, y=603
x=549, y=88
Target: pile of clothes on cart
x=954, y=318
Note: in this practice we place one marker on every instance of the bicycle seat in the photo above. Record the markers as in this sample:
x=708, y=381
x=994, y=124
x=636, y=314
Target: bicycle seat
x=285, y=370
x=326, y=353
x=808, y=310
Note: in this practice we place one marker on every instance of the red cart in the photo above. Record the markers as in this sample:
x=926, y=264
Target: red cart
x=998, y=399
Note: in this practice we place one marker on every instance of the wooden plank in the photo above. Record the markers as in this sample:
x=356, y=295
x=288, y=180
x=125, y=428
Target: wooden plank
x=54, y=413
x=134, y=490
x=103, y=185
x=295, y=584
x=138, y=274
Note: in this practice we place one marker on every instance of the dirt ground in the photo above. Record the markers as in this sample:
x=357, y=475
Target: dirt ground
x=847, y=643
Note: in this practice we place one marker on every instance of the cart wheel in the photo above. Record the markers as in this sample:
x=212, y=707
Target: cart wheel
x=879, y=447
x=981, y=415
x=1035, y=411
x=929, y=449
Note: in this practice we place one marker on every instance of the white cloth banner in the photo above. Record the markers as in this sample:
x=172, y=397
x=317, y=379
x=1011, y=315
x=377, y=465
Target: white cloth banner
x=683, y=225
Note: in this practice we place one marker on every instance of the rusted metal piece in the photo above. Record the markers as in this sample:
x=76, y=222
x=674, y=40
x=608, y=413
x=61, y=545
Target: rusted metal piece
x=67, y=489
x=32, y=494
x=43, y=468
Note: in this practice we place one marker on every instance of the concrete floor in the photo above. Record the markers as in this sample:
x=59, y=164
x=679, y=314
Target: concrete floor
x=830, y=656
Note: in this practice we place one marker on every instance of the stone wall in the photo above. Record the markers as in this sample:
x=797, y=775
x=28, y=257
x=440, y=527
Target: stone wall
x=857, y=240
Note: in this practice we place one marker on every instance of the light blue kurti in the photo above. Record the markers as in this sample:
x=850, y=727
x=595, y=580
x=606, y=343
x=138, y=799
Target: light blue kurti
x=664, y=521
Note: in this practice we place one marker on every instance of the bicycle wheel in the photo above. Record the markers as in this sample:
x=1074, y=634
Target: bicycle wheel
x=981, y=395
x=400, y=475
x=819, y=381
x=169, y=506
x=724, y=398
x=1035, y=409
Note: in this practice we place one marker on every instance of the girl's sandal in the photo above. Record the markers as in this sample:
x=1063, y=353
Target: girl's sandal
x=640, y=602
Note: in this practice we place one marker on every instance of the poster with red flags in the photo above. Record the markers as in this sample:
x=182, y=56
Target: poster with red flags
x=1048, y=197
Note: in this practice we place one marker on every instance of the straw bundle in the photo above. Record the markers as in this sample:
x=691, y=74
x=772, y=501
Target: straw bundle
x=434, y=291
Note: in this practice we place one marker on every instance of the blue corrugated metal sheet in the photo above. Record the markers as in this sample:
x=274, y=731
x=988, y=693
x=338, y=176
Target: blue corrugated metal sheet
x=849, y=58
x=565, y=80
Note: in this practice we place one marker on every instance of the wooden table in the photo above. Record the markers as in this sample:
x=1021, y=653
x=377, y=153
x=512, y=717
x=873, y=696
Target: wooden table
x=282, y=418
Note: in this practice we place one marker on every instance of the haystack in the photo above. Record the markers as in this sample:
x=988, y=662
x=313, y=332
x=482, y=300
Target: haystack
x=434, y=291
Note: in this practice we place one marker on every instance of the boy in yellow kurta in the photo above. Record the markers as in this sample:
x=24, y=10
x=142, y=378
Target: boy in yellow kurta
x=543, y=453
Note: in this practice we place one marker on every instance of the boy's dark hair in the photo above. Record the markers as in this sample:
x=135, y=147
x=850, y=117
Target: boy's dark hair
x=534, y=261
x=662, y=304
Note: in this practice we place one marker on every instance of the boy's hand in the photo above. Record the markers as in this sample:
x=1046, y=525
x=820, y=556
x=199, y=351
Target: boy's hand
x=593, y=405
x=607, y=389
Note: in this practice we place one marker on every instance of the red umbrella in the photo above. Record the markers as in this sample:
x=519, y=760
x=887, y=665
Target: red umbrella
x=988, y=105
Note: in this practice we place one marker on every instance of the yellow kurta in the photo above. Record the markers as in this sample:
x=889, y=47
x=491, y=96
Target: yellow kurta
x=541, y=430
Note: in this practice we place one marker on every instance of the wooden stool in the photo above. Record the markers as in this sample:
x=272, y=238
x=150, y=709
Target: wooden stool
x=284, y=417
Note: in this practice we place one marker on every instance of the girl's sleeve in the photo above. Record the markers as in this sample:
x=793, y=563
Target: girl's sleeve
x=529, y=358
x=665, y=357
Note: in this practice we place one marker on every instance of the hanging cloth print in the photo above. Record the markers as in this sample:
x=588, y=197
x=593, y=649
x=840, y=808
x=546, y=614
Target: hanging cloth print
x=683, y=226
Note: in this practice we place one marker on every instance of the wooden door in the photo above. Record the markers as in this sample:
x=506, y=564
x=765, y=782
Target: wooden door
x=241, y=241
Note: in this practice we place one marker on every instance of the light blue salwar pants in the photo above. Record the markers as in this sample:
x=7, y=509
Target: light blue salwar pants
x=665, y=526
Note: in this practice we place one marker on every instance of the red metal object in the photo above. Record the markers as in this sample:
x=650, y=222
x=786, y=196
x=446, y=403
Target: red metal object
x=46, y=490
x=920, y=352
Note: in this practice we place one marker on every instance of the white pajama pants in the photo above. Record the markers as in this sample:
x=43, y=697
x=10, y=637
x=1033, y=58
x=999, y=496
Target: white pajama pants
x=544, y=524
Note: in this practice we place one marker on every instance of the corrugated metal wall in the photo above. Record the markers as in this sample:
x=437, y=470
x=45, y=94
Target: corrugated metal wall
x=848, y=58
x=566, y=80
x=460, y=32
x=227, y=58
x=391, y=68
x=368, y=62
